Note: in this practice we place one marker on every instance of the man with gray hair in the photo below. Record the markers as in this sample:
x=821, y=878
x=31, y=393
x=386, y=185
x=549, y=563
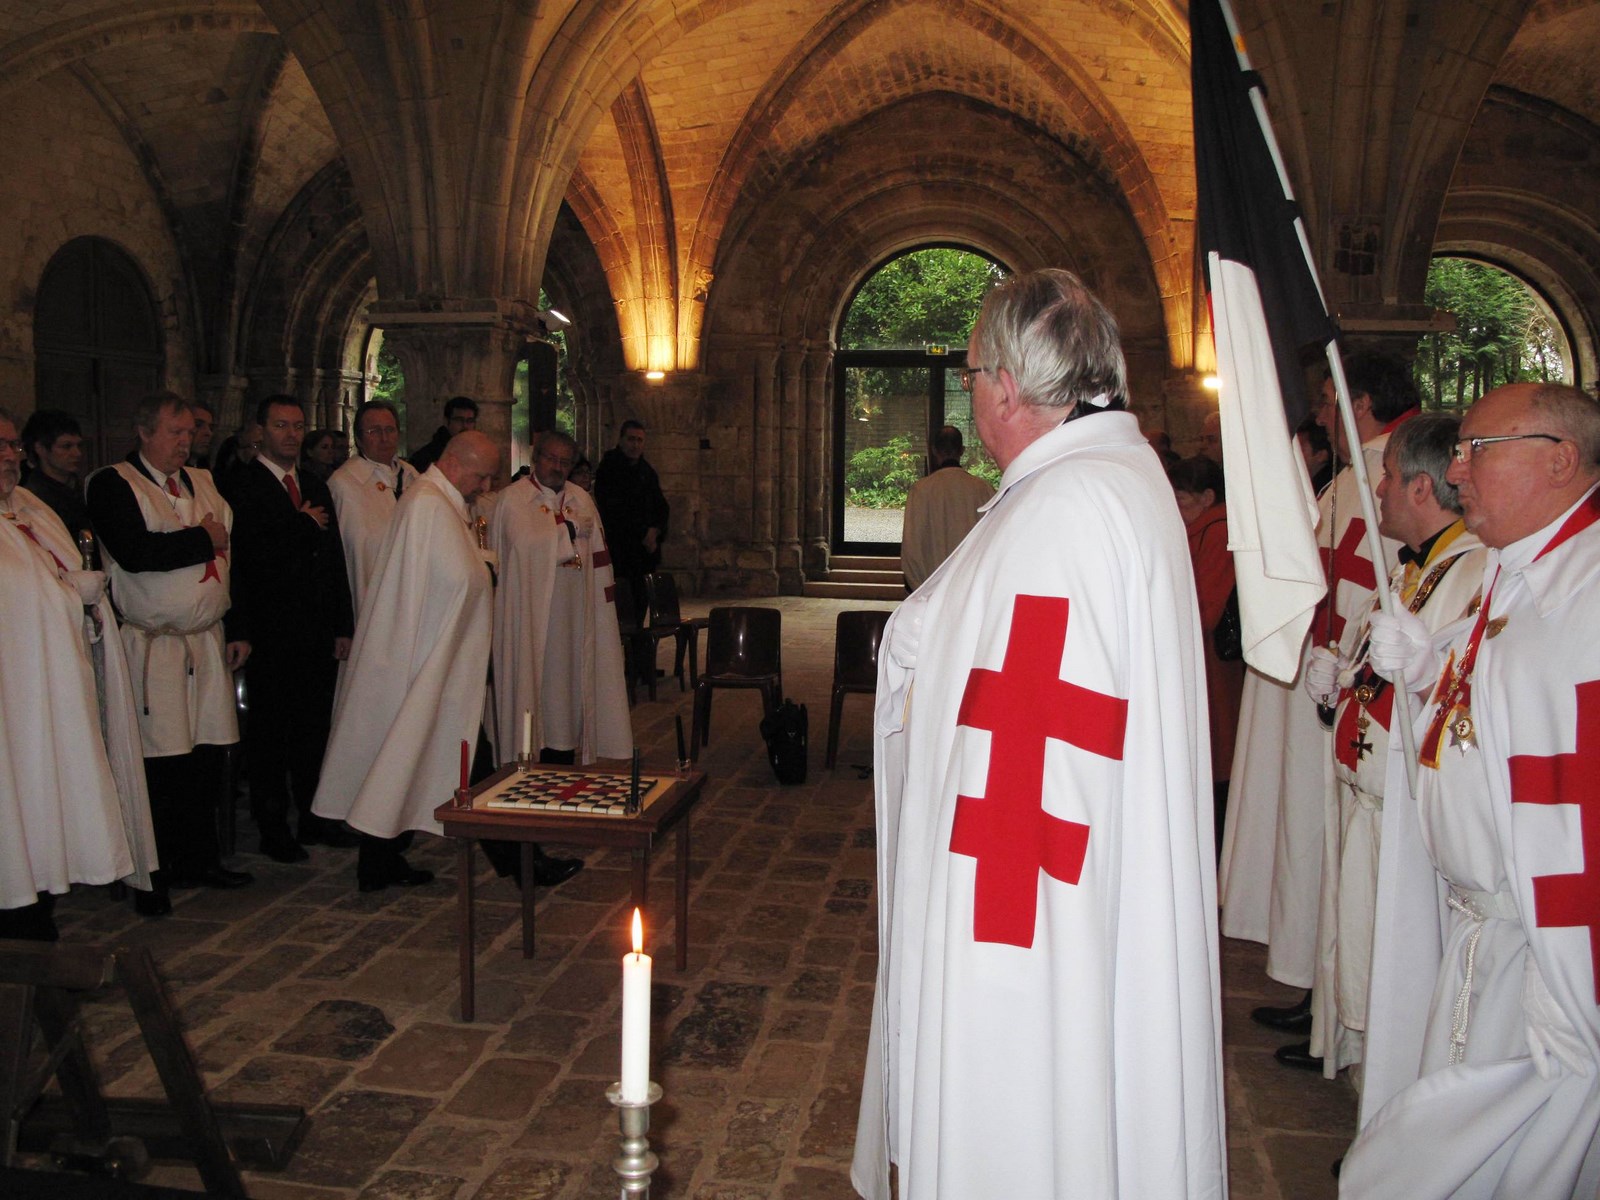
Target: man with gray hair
x=366, y=490
x=1046, y=1014
x=164, y=532
x=1439, y=571
x=1484, y=1032
x=941, y=509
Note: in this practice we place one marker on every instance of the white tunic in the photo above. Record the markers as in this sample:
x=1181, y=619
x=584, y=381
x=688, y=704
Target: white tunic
x=1046, y=1020
x=73, y=806
x=940, y=511
x=172, y=625
x=1282, y=779
x=557, y=649
x=416, y=684
x=1353, y=833
x=1507, y=828
x=364, y=499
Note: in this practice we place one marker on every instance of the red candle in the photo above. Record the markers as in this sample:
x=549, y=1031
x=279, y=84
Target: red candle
x=465, y=763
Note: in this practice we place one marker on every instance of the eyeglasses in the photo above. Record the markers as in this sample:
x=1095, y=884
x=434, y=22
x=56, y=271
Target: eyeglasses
x=1466, y=448
x=12, y=444
x=966, y=376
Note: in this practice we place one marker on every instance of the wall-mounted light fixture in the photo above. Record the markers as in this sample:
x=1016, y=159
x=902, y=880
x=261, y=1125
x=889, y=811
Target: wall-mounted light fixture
x=1211, y=383
x=655, y=376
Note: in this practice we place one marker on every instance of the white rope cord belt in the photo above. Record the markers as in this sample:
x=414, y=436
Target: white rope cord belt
x=151, y=633
x=1479, y=908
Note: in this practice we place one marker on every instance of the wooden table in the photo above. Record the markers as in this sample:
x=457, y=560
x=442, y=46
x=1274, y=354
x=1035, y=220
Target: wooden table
x=638, y=833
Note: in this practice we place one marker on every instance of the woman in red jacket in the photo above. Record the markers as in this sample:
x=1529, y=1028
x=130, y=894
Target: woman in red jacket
x=1197, y=482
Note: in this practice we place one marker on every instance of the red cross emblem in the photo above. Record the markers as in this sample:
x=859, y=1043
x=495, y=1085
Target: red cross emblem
x=1567, y=901
x=1347, y=563
x=1024, y=704
x=1349, y=747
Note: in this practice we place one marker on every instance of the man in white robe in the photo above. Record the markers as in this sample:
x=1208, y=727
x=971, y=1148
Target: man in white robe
x=416, y=683
x=1282, y=779
x=1046, y=1021
x=1440, y=568
x=941, y=509
x=73, y=805
x=366, y=489
x=1491, y=1086
x=557, y=650
x=164, y=533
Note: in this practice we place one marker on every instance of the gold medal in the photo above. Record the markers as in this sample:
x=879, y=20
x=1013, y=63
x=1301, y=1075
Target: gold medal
x=1366, y=693
x=1461, y=730
x=382, y=486
x=1495, y=627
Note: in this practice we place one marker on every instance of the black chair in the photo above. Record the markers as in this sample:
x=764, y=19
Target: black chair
x=743, y=650
x=855, y=663
x=666, y=621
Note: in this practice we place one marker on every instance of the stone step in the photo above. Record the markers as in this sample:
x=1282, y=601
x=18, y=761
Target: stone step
x=864, y=562
x=827, y=589
x=852, y=576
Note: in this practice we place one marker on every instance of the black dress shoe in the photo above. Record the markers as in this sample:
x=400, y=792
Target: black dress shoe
x=211, y=877
x=549, y=871
x=1291, y=1018
x=329, y=833
x=400, y=874
x=152, y=904
x=1299, y=1055
x=283, y=849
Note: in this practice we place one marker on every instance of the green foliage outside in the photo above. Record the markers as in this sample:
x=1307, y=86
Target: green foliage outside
x=880, y=476
x=926, y=296
x=391, y=386
x=1503, y=335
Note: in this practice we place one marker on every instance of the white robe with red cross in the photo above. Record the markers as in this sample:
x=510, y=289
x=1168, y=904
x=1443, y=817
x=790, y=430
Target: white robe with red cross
x=1046, y=1021
x=1282, y=779
x=1451, y=578
x=1508, y=826
x=557, y=648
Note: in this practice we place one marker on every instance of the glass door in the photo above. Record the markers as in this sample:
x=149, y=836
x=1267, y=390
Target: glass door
x=887, y=405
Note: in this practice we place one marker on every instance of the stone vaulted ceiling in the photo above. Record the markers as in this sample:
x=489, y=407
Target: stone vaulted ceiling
x=465, y=125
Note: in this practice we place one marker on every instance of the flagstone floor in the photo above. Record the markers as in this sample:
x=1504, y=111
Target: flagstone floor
x=301, y=990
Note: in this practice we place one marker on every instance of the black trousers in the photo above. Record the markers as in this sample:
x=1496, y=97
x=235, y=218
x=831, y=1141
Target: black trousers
x=184, y=792
x=286, y=732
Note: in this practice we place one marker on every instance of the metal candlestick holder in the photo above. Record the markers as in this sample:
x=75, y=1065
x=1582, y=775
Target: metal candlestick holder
x=635, y=1162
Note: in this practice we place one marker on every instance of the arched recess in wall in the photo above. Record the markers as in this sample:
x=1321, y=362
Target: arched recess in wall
x=796, y=252
x=97, y=342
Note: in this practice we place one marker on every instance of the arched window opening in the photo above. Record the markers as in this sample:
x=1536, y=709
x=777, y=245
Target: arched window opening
x=1506, y=332
x=97, y=343
x=386, y=378
x=902, y=348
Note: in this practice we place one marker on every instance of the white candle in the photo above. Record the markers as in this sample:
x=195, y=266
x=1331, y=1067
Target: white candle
x=636, y=1018
x=527, y=733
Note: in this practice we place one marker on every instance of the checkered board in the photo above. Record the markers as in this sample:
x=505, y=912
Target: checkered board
x=572, y=792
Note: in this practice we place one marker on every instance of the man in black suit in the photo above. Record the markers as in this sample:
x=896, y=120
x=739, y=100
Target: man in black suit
x=290, y=585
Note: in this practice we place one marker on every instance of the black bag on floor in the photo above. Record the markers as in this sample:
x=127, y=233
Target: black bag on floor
x=785, y=734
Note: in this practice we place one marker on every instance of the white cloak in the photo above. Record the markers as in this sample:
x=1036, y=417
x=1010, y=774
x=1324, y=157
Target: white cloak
x=1282, y=779
x=72, y=791
x=172, y=625
x=1353, y=832
x=940, y=510
x=538, y=591
x=1076, y=1049
x=364, y=500
x=1509, y=825
x=415, y=688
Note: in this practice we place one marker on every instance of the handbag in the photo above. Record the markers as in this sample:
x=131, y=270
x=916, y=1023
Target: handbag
x=1227, y=639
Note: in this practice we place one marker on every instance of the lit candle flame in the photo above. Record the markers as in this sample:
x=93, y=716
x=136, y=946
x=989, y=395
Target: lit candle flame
x=638, y=933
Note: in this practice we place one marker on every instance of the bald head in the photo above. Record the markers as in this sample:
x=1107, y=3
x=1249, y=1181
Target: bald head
x=1536, y=453
x=470, y=462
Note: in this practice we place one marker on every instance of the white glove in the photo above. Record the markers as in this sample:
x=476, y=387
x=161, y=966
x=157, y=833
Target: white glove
x=90, y=585
x=1322, y=674
x=1401, y=650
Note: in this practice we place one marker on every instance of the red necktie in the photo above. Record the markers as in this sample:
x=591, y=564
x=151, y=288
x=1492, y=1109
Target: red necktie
x=294, y=491
x=172, y=486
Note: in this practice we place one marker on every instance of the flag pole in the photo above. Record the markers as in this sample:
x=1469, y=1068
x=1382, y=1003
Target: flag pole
x=1341, y=388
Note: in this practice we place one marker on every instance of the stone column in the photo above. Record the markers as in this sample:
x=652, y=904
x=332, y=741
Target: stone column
x=1187, y=401
x=818, y=458
x=764, y=485
x=791, y=423
x=441, y=358
x=226, y=396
